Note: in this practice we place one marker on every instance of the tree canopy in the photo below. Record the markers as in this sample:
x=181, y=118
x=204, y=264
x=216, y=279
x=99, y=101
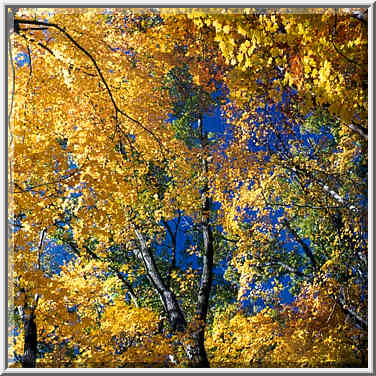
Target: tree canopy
x=188, y=187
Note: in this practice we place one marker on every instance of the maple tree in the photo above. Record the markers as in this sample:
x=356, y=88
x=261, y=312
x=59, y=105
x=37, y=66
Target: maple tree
x=320, y=52
x=112, y=160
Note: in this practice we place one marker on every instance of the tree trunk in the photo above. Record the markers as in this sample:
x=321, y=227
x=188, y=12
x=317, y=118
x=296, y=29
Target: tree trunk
x=171, y=306
x=30, y=337
x=196, y=352
x=200, y=359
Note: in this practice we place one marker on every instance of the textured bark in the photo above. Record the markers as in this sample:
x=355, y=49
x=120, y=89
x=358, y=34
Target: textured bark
x=195, y=352
x=30, y=337
x=171, y=306
x=337, y=197
x=208, y=254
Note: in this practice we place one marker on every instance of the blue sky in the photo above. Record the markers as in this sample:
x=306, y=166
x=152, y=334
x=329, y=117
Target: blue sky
x=217, y=124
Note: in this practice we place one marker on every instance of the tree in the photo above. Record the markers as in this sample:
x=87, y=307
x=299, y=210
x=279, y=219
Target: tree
x=140, y=204
x=320, y=55
x=313, y=332
x=113, y=160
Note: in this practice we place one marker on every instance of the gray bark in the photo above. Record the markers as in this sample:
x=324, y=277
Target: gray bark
x=174, y=313
x=331, y=192
x=337, y=197
x=359, y=129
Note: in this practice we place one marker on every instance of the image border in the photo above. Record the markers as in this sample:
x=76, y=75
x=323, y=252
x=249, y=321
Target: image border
x=371, y=164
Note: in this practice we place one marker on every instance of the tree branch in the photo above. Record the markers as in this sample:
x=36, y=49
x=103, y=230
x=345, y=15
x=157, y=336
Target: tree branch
x=363, y=132
x=30, y=189
x=305, y=247
x=129, y=287
x=288, y=268
x=356, y=317
x=334, y=45
x=173, y=250
x=41, y=239
x=170, y=304
x=90, y=56
x=360, y=16
x=227, y=239
x=325, y=187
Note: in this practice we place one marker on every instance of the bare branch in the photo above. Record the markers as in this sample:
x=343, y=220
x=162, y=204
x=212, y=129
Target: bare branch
x=29, y=189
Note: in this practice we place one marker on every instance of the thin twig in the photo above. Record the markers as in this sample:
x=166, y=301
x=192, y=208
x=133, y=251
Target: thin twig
x=29, y=189
x=305, y=247
x=173, y=250
x=30, y=65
